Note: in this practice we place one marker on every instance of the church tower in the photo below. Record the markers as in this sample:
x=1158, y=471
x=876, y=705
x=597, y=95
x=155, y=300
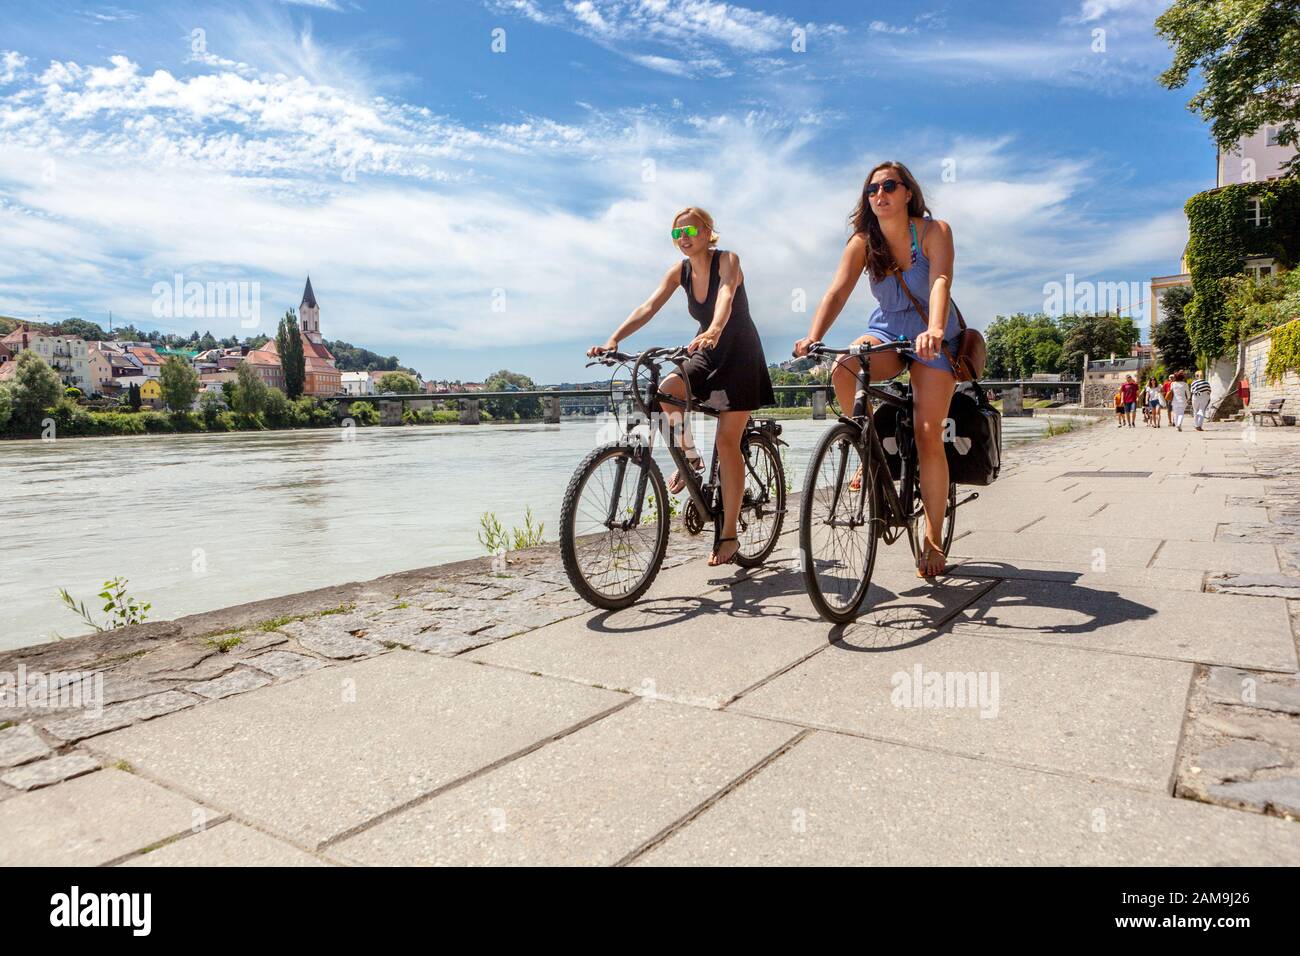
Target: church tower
x=309, y=315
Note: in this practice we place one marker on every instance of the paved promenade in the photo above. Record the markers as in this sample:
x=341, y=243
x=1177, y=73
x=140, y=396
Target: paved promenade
x=1108, y=676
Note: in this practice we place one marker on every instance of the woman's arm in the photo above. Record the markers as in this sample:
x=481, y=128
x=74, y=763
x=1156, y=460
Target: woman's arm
x=644, y=312
x=852, y=262
x=938, y=242
x=729, y=279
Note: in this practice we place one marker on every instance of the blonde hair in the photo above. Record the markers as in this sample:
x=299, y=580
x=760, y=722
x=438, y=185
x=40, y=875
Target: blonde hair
x=705, y=219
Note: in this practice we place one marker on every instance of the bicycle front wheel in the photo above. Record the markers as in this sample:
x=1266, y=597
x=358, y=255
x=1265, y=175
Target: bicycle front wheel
x=611, y=554
x=838, y=523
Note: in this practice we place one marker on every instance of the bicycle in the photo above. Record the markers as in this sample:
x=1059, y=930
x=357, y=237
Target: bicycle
x=839, y=526
x=615, y=518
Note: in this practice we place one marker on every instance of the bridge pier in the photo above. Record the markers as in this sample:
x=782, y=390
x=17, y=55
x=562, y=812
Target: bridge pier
x=551, y=409
x=819, y=405
x=469, y=414
x=1013, y=402
x=390, y=413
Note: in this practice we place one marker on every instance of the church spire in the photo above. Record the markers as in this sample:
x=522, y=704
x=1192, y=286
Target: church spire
x=309, y=314
x=308, y=297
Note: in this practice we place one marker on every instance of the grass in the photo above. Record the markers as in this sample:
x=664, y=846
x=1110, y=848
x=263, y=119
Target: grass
x=224, y=644
x=275, y=623
x=6, y=724
x=124, y=767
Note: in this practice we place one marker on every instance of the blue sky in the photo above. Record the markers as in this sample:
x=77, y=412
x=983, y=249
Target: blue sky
x=477, y=184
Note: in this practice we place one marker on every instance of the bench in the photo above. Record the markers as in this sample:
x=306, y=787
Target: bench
x=1273, y=412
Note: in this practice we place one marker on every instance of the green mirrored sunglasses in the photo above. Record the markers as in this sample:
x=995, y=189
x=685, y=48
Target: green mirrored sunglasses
x=685, y=231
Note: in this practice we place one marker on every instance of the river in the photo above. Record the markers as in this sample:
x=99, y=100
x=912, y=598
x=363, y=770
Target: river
x=198, y=522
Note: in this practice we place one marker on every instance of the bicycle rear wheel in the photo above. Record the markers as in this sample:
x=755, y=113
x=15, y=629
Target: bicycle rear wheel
x=763, y=510
x=838, y=525
x=609, y=560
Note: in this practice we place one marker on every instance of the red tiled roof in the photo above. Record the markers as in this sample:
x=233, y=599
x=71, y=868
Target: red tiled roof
x=263, y=357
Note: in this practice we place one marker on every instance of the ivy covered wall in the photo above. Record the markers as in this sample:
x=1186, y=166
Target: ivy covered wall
x=1221, y=238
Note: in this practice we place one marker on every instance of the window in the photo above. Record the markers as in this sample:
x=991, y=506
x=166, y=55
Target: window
x=1255, y=214
x=1271, y=135
x=1259, y=269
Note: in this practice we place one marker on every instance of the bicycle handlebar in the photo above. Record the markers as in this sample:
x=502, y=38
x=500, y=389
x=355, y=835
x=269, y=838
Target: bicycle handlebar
x=620, y=358
x=818, y=348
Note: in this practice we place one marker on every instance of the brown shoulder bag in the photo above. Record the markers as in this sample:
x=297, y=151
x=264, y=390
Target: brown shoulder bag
x=972, y=350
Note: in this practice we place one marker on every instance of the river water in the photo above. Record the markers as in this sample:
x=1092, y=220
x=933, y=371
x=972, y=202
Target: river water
x=198, y=522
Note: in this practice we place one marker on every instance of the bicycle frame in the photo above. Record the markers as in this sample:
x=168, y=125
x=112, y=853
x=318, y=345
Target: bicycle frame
x=651, y=407
x=861, y=419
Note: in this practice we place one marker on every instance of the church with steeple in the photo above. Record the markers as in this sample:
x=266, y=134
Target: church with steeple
x=323, y=377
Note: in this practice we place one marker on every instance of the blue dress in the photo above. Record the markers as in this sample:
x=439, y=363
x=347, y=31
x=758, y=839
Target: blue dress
x=896, y=317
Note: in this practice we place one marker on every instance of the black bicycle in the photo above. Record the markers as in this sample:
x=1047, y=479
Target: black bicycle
x=850, y=501
x=616, y=514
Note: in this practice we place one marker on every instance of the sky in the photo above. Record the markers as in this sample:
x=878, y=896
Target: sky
x=484, y=184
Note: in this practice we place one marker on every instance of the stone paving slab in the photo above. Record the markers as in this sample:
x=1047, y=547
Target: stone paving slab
x=1080, y=553
x=838, y=801
x=91, y=820
x=312, y=758
x=590, y=798
x=696, y=650
x=1055, y=708
x=21, y=744
x=46, y=773
x=226, y=844
x=1204, y=628
x=1217, y=557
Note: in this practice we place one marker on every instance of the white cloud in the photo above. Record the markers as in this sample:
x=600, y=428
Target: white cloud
x=12, y=64
x=113, y=178
x=704, y=29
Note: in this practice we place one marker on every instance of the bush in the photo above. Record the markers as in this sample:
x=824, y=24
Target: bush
x=210, y=408
x=364, y=413
x=315, y=412
x=72, y=392
x=70, y=418
x=280, y=412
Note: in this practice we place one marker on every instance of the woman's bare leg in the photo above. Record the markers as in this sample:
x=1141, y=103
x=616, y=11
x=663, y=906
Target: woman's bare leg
x=731, y=425
x=932, y=390
x=847, y=369
x=677, y=426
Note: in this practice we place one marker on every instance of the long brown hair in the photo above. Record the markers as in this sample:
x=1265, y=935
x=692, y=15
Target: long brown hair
x=864, y=221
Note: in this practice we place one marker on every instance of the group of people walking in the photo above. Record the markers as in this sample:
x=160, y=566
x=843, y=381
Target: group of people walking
x=1168, y=400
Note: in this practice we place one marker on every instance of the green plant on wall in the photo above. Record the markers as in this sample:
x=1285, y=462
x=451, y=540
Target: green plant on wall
x=1221, y=236
x=1284, y=351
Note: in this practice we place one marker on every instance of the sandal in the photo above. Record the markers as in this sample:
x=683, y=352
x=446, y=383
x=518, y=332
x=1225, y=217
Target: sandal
x=729, y=560
x=925, y=566
x=676, y=482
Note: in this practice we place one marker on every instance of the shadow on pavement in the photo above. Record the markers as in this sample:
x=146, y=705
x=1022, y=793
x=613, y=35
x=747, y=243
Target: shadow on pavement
x=1019, y=590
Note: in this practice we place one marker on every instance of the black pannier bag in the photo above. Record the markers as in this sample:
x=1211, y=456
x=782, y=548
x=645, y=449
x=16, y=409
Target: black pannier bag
x=973, y=442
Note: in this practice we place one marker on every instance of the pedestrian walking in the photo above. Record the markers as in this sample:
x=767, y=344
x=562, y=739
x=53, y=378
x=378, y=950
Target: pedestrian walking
x=1178, y=398
x=1200, y=399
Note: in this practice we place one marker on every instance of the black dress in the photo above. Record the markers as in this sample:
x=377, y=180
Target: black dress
x=732, y=376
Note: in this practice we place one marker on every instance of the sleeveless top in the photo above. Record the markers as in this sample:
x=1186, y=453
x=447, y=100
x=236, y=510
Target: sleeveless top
x=896, y=313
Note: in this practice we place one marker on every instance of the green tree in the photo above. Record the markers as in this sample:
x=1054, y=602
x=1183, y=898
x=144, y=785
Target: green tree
x=133, y=396
x=1020, y=345
x=1171, y=336
x=250, y=393
x=35, y=387
x=505, y=381
x=206, y=342
x=6, y=406
x=398, y=382
x=1097, y=336
x=80, y=328
x=1247, y=53
x=179, y=383
x=288, y=342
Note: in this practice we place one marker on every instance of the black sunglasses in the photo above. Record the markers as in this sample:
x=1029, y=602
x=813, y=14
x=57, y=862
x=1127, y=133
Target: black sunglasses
x=889, y=185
